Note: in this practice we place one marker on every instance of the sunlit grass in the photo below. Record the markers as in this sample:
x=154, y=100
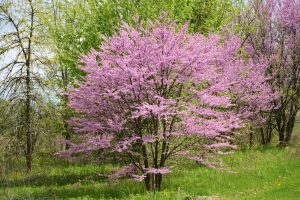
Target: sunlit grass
x=257, y=174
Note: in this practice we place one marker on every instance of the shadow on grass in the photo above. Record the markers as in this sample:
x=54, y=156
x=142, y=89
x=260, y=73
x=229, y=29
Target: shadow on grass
x=74, y=188
x=117, y=191
x=44, y=180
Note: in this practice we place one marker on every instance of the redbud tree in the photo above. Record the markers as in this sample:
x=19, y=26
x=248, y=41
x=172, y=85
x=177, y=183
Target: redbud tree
x=275, y=35
x=154, y=94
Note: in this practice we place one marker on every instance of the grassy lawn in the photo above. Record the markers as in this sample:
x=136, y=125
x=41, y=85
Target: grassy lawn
x=257, y=174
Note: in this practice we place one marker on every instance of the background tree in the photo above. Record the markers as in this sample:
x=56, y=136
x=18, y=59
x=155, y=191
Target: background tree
x=211, y=15
x=272, y=30
x=22, y=76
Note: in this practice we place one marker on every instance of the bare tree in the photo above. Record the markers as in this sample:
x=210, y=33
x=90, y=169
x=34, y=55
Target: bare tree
x=21, y=71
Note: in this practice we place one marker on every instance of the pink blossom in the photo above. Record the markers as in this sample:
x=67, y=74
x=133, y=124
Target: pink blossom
x=162, y=170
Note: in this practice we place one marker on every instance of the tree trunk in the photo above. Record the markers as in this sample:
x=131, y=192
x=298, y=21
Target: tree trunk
x=66, y=115
x=158, y=179
x=28, y=111
x=285, y=128
x=266, y=134
x=153, y=182
x=28, y=120
x=280, y=122
x=289, y=129
x=148, y=182
x=263, y=140
x=68, y=137
x=251, y=139
x=68, y=130
x=281, y=138
x=269, y=134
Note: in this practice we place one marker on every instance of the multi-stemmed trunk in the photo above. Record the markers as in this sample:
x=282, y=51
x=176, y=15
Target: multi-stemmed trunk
x=266, y=132
x=285, y=125
x=153, y=182
x=290, y=128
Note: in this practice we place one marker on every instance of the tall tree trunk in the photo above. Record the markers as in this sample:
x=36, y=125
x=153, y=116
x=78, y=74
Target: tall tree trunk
x=66, y=114
x=28, y=120
x=28, y=111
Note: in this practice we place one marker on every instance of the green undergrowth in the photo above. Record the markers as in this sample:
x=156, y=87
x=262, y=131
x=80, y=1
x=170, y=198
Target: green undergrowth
x=254, y=174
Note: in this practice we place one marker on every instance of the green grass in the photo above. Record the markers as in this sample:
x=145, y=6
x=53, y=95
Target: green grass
x=258, y=174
